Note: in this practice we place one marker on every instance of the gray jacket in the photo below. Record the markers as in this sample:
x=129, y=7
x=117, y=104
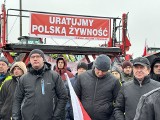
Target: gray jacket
x=40, y=95
x=129, y=96
x=97, y=94
x=149, y=106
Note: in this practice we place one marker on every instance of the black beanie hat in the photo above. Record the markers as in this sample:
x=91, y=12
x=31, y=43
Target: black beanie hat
x=103, y=62
x=82, y=65
x=3, y=59
x=38, y=51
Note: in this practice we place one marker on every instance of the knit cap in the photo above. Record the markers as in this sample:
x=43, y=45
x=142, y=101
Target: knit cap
x=3, y=59
x=115, y=69
x=103, y=62
x=126, y=63
x=38, y=51
x=82, y=65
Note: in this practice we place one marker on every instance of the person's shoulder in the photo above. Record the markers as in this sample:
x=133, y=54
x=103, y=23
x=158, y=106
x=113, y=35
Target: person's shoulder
x=7, y=82
x=152, y=96
x=128, y=83
x=154, y=82
x=52, y=72
x=111, y=77
x=85, y=74
x=152, y=93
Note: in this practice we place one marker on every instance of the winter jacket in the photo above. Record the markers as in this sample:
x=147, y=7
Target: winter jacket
x=8, y=90
x=127, y=77
x=149, y=106
x=97, y=94
x=152, y=74
x=129, y=96
x=6, y=98
x=40, y=95
x=4, y=78
x=74, y=79
x=64, y=70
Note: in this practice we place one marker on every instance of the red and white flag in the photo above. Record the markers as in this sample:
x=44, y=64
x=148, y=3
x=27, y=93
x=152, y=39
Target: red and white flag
x=79, y=112
x=145, y=49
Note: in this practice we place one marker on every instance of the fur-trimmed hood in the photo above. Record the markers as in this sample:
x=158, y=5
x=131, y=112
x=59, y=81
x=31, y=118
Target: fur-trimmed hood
x=19, y=64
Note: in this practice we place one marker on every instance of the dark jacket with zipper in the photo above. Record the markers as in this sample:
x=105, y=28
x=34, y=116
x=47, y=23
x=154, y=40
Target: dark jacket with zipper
x=40, y=95
x=6, y=98
x=97, y=94
x=129, y=96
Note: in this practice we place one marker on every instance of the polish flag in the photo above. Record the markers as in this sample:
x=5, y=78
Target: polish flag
x=79, y=112
x=145, y=49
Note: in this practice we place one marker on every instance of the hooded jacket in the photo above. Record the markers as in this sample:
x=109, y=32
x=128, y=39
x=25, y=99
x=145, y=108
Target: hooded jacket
x=116, y=69
x=64, y=70
x=129, y=96
x=40, y=95
x=7, y=92
x=152, y=74
x=97, y=94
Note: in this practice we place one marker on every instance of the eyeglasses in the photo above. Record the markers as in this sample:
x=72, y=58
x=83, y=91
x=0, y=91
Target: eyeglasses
x=35, y=56
x=156, y=66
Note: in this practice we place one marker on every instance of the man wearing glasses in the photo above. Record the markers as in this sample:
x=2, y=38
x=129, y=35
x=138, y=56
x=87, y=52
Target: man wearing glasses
x=40, y=94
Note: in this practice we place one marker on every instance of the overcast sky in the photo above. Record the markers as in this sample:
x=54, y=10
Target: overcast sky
x=143, y=19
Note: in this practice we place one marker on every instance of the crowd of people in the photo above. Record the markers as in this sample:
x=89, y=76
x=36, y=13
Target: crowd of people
x=124, y=91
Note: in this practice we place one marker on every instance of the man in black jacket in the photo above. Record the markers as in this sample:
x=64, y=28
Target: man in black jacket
x=149, y=106
x=130, y=93
x=97, y=89
x=40, y=94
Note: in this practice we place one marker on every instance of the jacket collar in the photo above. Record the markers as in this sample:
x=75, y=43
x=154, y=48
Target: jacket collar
x=145, y=81
x=16, y=79
x=41, y=71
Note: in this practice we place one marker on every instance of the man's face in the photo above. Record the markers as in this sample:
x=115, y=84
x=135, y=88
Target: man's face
x=156, y=68
x=100, y=73
x=116, y=74
x=36, y=61
x=60, y=64
x=140, y=71
x=81, y=70
x=3, y=67
x=17, y=71
x=127, y=70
